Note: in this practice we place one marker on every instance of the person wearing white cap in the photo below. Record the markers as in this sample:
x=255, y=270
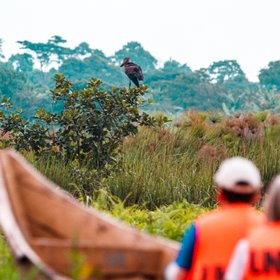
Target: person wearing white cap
x=258, y=256
x=208, y=243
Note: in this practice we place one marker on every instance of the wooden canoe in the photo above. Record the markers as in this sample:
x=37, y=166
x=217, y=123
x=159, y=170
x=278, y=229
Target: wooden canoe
x=46, y=228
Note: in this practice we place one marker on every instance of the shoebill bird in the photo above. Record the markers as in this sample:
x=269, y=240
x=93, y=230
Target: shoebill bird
x=133, y=71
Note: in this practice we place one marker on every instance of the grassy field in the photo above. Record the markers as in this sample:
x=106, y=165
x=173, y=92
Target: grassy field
x=177, y=162
x=171, y=164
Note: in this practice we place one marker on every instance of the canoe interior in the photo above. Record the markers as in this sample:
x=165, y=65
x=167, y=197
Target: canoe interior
x=60, y=230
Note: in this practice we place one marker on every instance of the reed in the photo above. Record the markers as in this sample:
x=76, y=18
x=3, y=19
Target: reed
x=163, y=165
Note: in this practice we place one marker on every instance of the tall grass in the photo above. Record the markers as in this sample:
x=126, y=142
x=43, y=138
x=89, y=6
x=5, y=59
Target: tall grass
x=166, y=164
x=163, y=165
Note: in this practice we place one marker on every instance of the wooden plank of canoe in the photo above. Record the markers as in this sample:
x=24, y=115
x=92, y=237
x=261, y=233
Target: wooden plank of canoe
x=41, y=210
x=100, y=260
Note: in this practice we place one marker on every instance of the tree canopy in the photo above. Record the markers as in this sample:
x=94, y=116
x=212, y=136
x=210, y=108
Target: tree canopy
x=173, y=86
x=270, y=76
x=136, y=52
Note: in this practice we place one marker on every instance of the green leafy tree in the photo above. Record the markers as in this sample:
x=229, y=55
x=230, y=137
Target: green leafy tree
x=16, y=86
x=41, y=51
x=57, y=50
x=83, y=49
x=49, y=52
x=200, y=76
x=186, y=91
x=81, y=70
x=11, y=82
x=174, y=66
x=270, y=76
x=226, y=70
x=137, y=54
x=22, y=62
x=56, y=40
x=90, y=127
x=93, y=122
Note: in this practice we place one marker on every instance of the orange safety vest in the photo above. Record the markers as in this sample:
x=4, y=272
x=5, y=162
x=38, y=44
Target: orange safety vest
x=264, y=254
x=217, y=234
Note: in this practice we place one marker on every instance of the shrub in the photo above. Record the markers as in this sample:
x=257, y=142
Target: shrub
x=87, y=132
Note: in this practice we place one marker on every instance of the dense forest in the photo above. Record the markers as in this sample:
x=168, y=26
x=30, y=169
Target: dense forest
x=27, y=77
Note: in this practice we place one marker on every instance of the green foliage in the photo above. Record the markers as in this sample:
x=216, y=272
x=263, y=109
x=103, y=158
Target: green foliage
x=172, y=164
x=46, y=52
x=10, y=81
x=94, y=122
x=222, y=86
x=174, y=66
x=83, y=49
x=226, y=70
x=87, y=132
x=7, y=266
x=16, y=85
x=81, y=70
x=270, y=76
x=22, y=62
x=166, y=221
x=136, y=52
x=185, y=91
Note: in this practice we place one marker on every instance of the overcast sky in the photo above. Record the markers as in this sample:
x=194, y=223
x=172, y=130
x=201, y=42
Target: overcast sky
x=196, y=32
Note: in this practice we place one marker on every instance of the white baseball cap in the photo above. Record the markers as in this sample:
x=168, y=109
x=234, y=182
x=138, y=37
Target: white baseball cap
x=238, y=175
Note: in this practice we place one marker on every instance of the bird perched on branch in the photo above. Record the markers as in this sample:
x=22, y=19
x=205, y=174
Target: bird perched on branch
x=133, y=71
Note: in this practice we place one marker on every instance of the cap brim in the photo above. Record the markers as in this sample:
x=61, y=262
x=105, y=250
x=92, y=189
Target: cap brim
x=241, y=189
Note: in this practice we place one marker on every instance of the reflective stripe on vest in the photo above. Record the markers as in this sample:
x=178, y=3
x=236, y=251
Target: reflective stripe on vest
x=264, y=256
x=217, y=234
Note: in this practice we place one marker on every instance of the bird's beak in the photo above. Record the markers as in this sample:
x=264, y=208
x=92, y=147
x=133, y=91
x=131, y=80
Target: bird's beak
x=122, y=65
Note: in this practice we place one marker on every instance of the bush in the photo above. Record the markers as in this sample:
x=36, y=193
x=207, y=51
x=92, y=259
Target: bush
x=87, y=132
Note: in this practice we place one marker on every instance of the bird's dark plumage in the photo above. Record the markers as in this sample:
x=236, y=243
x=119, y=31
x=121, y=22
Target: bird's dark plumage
x=133, y=71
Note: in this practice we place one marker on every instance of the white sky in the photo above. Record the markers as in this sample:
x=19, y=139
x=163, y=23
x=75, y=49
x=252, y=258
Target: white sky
x=196, y=32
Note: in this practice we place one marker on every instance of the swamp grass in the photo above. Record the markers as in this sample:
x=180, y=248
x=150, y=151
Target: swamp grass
x=161, y=165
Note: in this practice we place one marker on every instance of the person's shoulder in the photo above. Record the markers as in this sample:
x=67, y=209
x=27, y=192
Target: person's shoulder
x=208, y=216
x=190, y=234
x=191, y=229
x=209, y=219
x=260, y=230
x=257, y=215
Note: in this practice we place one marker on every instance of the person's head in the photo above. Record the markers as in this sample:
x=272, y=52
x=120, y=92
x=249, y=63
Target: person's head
x=238, y=180
x=272, y=201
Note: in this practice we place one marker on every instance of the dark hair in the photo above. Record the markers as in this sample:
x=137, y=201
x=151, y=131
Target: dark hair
x=237, y=197
x=271, y=202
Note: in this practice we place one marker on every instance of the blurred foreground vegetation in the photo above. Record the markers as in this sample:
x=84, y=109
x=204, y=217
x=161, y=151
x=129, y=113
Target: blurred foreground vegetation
x=167, y=221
